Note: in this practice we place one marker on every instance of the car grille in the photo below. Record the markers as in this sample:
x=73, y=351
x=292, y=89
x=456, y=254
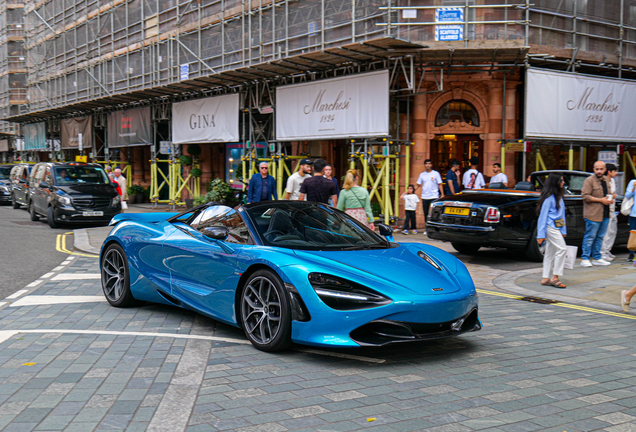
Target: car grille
x=91, y=202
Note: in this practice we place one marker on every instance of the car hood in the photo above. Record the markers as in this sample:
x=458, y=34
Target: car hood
x=397, y=266
x=95, y=190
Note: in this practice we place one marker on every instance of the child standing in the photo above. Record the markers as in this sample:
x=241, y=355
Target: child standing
x=410, y=207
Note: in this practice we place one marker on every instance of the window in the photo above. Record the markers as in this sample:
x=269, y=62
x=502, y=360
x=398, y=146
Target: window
x=39, y=173
x=457, y=110
x=223, y=216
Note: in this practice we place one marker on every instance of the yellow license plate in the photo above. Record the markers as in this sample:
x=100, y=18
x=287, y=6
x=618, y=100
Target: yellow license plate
x=457, y=211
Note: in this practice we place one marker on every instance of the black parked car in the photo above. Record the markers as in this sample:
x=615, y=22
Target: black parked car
x=5, y=183
x=72, y=192
x=508, y=218
x=20, y=185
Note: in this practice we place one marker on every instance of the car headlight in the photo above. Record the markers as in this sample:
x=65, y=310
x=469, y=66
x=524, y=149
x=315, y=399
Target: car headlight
x=64, y=200
x=341, y=294
x=116, y=200
x=4, y=189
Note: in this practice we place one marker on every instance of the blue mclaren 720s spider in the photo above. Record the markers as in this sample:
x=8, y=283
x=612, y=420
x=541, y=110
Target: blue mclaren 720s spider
x=289, y=271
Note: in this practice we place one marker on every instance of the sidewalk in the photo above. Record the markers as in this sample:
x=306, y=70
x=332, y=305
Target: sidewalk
x=596, y=287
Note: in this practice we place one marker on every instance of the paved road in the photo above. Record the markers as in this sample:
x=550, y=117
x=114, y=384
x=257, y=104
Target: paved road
x=27, y=249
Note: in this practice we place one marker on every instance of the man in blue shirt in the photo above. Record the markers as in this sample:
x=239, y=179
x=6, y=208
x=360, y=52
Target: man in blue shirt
x=262, y=186
x=452, y=183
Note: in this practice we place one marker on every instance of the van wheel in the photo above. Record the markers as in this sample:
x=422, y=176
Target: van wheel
x=50, y=218
x=34, y=215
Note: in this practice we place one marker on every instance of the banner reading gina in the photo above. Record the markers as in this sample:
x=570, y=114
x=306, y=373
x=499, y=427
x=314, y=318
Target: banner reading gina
x=213, y=119
x=347, y=107
x=579, y=107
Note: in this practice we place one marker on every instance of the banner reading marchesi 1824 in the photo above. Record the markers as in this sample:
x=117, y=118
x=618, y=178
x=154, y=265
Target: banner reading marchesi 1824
x=347, y=107
x=71, y=128
x=214, y=119
x=129, y=128
x=579, y=107
x=34, y=136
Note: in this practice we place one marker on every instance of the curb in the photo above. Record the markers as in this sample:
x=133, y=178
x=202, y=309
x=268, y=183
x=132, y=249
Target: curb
x=507, y=282
x=82, y=243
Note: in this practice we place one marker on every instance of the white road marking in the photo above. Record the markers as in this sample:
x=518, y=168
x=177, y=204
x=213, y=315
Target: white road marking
x=3, y=303
x=58, y=268
x=6, y=334
x=17, y=294
x=341, y=355
x=76, y=276
x=38, y=300
x=48, y=275
x=35, y=283
x=127, y=333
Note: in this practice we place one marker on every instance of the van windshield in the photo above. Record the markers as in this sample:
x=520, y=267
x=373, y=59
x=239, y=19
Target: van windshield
x=68, y=175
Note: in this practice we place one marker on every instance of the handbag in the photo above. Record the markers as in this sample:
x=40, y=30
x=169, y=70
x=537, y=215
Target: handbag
x=570, y=257
x=626, y=206
x=124, y=205
x=631, y=243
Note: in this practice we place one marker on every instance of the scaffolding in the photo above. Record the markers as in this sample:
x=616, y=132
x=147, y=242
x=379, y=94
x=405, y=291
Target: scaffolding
x=12, y=65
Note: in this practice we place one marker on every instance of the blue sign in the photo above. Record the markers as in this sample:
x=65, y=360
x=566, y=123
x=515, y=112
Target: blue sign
x=185, y=71
x=449, y=33
x=449, y=14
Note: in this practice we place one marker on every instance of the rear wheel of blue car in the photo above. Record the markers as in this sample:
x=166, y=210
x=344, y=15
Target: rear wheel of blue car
x=265, y=314
x=115, y=277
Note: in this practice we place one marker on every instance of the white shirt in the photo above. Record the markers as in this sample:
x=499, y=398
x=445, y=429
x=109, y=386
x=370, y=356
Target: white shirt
x=612, y=191
x=478, y=183
x=499, y=178
x=430, y=182
x=410, y=202
x=293, y=185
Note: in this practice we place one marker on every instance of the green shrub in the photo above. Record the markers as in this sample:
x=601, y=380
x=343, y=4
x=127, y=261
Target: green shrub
x=376, y=208
x=194, y=149
x=196, y=172
x=185, y=160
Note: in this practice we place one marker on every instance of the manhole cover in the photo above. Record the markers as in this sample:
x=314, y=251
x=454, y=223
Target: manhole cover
x=539, y=300
x=27, y=223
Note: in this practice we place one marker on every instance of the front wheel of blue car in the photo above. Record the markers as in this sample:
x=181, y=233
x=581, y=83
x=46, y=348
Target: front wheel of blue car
x=265, y=312
x=116, y=278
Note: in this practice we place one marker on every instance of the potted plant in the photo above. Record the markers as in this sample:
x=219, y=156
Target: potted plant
x=132, y=195
x=139, y=193
x=185, y=160
x=219, y=192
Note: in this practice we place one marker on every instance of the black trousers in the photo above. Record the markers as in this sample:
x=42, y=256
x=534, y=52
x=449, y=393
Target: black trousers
x=410, y=216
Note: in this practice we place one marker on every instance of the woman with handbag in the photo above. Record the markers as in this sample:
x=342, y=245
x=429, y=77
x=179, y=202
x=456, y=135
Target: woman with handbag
x=551, y=229
x=354, y=200
x=628, y=201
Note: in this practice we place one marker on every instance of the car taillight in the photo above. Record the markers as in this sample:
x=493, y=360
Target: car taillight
x=492, y=215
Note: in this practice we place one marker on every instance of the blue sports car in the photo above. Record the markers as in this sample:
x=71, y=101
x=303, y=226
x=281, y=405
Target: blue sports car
x=289, y=271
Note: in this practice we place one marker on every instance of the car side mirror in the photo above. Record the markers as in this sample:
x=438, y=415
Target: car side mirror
x=44, y=185
x=216, y=232
x=385, y=230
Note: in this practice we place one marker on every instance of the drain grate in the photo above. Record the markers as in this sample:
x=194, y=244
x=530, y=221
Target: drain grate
x=538, y=300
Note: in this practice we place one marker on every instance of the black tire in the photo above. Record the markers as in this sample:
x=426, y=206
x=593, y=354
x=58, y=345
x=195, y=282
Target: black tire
x=263, y=303
x=34, y=215
x=466, y=248
x=50, y=217
x=16, y=205
x=116, y=277
x=533, y=253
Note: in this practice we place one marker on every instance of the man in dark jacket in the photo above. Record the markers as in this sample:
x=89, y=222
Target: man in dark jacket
x=262, y=186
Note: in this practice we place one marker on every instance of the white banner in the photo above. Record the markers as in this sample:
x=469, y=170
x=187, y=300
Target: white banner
x=348, y=107
x=579, y=107
x=214, y=119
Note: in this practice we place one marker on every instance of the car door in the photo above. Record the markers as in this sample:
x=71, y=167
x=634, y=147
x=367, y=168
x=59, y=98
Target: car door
x=574, y=220
x=22, y=185
x=35, y=191
x=203, y=271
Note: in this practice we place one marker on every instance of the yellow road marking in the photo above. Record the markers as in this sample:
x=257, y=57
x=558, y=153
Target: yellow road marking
x=565, y=305
x=60, y=246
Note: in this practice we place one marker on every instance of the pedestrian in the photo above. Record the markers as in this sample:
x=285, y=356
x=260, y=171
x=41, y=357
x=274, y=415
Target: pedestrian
x=499, y=177
x=296, y=179
x=629, y=193
x=551, y=229
x=111, y=177
x=626, y=297
x=121, y=180
x=410, y=209
x=612, y=227
x=328, y=173
x=473, y=179
x=354, y=200
x=452, y=180
x=262, y=186
x=108, y=169
x=319, y=188
x=596, y=201
x=432, y=187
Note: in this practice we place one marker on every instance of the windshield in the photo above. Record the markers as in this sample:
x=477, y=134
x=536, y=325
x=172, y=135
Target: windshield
x=573, y=181
x=4, y=173
x=67, y=175
x=311, y=227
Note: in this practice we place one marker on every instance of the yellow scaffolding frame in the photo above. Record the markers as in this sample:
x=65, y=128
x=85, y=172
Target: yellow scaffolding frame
x=126, y=170
x=174, y=181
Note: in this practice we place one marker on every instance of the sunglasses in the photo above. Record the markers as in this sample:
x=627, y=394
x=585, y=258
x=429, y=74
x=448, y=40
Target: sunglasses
x=264, y=168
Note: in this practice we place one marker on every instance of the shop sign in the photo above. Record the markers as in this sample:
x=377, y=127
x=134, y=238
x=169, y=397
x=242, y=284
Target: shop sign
x=347, y=107
x=34, y=136
x=449, y=32
x=579, y=107
x=608, y=156
x=165, y=147
x=208, y=120
x=73, y=128
x=129, y=128
x=515, y=147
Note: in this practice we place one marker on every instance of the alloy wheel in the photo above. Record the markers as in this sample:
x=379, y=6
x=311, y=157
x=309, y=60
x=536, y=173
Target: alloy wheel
x=113, y=275
x=261, y=310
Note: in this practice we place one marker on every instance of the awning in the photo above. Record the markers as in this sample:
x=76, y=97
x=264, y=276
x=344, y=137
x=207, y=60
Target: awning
x=327, y=59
